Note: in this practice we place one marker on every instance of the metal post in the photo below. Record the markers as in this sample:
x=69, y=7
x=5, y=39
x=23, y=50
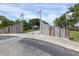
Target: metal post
x=66, y=27
x=40, y=18
x=2, y=22
x=21, y=18
x=66, y=21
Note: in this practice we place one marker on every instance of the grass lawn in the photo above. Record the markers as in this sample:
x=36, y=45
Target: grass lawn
x=74, y=35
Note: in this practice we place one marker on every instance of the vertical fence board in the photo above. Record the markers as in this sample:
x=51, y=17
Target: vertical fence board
x=53, y=31
x=17, y=28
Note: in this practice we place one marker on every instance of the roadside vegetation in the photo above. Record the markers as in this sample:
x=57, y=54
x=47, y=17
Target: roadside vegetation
x=61, y=22
x=74, y=35
x=27, y=25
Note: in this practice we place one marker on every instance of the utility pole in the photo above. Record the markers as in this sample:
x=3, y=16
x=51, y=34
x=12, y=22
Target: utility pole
x=68, y=17
x=2, y=22
x=66, y=21
x=40, y=13
x=22, y=17
x=66, y=26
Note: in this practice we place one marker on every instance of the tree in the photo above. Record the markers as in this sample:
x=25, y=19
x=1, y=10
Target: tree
x=61, y=21
x=34, y=21
x=25, y=25
x=44, y=22
x=5, y=21
x=17, y=21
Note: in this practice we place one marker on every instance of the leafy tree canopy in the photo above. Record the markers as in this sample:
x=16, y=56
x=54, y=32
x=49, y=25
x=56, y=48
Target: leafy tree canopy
x=61, y=21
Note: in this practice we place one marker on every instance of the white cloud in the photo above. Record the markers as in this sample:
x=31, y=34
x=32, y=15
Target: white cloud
x=53, y=11
x=12, y=10
x=16, y=12
x=50, y=18
x=64, y=9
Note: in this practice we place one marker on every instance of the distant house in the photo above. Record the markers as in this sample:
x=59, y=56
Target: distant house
x=77, y=25
x=35, y=27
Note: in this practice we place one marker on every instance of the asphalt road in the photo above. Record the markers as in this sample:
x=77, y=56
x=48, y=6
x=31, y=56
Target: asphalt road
x=6, y=37
x=33, y=47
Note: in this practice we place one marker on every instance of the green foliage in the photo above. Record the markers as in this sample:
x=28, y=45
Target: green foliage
x=33, y=22
x=44, y=22
x=17, y=21
x=26, y=25
x=74, y=35
x=5, y=22
x=61, y=21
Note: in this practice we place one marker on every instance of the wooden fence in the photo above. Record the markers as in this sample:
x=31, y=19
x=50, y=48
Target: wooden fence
x=53, y=31
x=17, y=28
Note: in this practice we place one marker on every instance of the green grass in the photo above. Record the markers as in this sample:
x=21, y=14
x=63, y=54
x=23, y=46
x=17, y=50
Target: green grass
x=74, y=35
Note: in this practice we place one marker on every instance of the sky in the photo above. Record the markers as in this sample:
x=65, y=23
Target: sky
x=49, y=11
